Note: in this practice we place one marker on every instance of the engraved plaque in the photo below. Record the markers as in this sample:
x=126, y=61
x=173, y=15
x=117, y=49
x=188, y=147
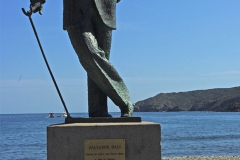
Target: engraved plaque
x=104, y=149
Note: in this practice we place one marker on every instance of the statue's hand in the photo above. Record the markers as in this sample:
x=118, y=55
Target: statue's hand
x=36, y=6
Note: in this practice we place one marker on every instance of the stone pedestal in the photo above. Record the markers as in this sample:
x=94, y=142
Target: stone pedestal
x=67, y=141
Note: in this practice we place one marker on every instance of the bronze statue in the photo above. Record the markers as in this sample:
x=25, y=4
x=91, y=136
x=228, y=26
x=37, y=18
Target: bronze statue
x=89, y=24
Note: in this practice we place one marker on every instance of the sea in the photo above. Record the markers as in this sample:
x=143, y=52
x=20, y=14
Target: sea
x=23, y=136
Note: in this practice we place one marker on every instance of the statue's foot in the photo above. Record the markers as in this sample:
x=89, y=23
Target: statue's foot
x=127, y=110
x=99, y=114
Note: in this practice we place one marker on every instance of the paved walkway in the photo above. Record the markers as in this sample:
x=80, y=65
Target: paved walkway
x=204, y=158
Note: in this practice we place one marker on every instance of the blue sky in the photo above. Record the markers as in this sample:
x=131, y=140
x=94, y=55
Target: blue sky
x=160, y=46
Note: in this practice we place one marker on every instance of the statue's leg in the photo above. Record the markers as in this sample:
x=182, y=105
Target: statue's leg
x=100, y=70
x=95, y=61
x=97, y=99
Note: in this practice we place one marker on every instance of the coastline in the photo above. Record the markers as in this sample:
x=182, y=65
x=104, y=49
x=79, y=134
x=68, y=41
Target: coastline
x=203, y=158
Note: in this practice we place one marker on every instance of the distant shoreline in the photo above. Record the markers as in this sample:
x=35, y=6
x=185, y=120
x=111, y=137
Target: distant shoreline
x=217, y=100
x=203, y=158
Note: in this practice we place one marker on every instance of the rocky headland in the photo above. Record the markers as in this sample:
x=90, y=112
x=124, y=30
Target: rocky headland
x=216, y=100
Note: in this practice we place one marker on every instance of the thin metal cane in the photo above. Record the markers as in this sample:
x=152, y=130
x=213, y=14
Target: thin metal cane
x=45, y=59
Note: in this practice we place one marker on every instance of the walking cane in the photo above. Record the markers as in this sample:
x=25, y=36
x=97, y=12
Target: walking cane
x=45, y=59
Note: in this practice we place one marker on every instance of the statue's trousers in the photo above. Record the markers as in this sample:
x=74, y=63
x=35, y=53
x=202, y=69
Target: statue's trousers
x=92, y=44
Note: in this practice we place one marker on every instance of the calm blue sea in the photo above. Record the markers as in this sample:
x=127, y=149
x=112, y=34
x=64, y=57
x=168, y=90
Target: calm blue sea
x=23, y=136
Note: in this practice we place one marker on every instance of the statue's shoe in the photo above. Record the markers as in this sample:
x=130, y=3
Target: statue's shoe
x=127, y=110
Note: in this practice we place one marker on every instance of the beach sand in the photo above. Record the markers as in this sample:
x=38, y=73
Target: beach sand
x=203, y=158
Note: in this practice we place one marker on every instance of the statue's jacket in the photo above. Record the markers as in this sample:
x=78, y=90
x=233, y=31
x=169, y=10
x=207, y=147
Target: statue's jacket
x=75, y=12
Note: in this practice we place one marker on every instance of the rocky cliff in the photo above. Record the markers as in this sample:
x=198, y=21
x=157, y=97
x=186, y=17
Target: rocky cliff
x=217, y=100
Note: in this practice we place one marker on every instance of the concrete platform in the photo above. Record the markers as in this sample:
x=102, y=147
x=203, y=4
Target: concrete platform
x=103, y=141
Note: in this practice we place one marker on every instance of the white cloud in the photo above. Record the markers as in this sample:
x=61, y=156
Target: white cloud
x=223, y=73
x=156, y=79
x=40, y=82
